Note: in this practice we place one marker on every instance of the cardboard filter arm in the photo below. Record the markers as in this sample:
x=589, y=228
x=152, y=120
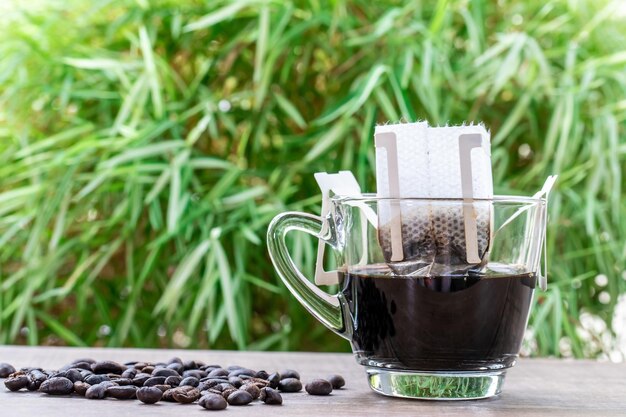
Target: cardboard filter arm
x=343, y=184
x=467, y=142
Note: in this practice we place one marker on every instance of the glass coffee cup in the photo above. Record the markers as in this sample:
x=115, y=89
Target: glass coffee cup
x=428, y=327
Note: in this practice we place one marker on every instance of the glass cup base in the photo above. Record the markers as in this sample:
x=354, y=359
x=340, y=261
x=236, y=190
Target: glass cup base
x=436, y=385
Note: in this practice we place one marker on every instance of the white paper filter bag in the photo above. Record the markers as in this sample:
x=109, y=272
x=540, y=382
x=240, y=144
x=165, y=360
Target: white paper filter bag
x=429, y=235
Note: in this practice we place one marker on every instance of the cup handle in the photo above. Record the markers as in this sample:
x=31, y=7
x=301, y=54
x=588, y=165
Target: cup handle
x=326, y=308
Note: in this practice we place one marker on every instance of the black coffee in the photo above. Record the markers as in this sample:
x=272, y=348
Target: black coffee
x=443, y=323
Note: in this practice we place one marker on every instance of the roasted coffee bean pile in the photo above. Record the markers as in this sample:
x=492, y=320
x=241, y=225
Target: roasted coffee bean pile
x=211, y=386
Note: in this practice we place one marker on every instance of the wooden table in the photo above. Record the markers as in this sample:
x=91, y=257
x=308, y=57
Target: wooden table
x=535, y=387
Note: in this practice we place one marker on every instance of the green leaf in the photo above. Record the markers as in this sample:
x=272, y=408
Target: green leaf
x=290, y=110
x=176, y=288
x=225, y=13
x=63, y=332
x=357, y=98
x=237, y=331
x=151, y=71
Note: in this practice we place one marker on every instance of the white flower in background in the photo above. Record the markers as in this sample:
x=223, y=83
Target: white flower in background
x=224, y=106
x=592, y=323
x=565, y=347
x=601, y=280
x=604, y=297
x=596, y=336
x=619, y=324
x=104, y=330
x=181, y=339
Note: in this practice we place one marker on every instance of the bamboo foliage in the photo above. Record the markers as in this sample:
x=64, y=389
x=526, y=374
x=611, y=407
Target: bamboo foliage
x=146, y=146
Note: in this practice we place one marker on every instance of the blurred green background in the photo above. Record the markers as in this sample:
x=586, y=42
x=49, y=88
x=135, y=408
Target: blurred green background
x=146, y=145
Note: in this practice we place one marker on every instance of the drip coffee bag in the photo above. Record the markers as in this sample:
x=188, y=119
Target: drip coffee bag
x=443, y=225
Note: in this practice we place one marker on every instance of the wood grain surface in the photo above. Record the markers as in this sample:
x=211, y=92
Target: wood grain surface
x=535, y=387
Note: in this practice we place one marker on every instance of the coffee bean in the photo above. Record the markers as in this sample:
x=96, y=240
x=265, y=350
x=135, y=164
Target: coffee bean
x=175, y=360
x=173, y=381
x=290, y=385
x=96, y=379
x=235, y=381
x=185, y=388
x=242, y=371
x=82, y=365
x=130, y=373
x=167, y=395
x=81, y=387
x=6, y=369
x=239, y=397
x=16, y=381
x=35, y=379
x=185, y=396
x=213, y=391
x=149, y=395
x=270, y=396
x=219, y=372
x=196, y=373
x=125, y=392
x=64, y=368
x=252, y=390
x=289, y=373
x=147, y=369
x=162, y=387
x=190, y=381
x=74, y=375
x=122, y=381
x=228, y=391
x=213, y=402
x=319, y=387
x=223, y=380
x=223, y=386
x=85, y=360
x=336, y=381
x=258, y=381
x=98, y=391
x=140, y=379
x=178, y=367
x=164, y=372
x=57, y=386
x=211, y=383
x=38, y=374
x=107, y=367
x=60, y=373
x=155, y=380
x=273, y=380
x=261, y=375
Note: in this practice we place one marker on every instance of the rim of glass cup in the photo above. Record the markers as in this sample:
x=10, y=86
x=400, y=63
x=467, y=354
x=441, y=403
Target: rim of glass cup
x=495, y=199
